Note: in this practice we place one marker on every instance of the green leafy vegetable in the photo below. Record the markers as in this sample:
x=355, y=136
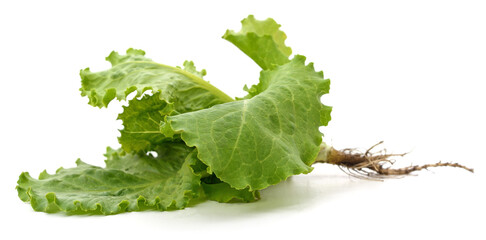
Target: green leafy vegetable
x=133, y=72
x=141, y=123
x=223, y=192
x=128, y=183
x=260, y=141
x=185, y=140
x=207, y=145
x=262, y=41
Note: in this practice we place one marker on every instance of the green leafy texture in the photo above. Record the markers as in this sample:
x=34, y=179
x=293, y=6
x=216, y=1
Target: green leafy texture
x=141, y=123
x=142, y=117
x=132, y=55
x=260, y=141
x=189, y=66
x=262, y=41
x=242, y=146
x=128, y=183
x=134, y=72
x=219, y=191
x=223, y=192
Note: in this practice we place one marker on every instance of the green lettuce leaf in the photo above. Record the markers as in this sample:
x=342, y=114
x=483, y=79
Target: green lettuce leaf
x=216, y=190
x=141, y=123
x=134, y=72
x=258, y=142
x=132, y=55
x=141, y=118
x=128, y=183
x=223, y=192
x=262, y=41
x=219, y=191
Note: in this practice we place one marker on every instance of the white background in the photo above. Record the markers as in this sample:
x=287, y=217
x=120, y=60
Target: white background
x=411, y=73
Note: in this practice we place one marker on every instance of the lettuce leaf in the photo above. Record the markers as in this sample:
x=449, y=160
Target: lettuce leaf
x=223, y=192
x=134, y=72
x=262, y=41
x=258, y=142
x=219, y=191
x=175, y=90
x=141, y=123
x=128, y=183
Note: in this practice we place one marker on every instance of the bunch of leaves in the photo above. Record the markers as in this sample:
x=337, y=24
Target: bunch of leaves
x=184, y=141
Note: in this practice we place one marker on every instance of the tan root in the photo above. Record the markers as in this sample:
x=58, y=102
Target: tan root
x=371, y=165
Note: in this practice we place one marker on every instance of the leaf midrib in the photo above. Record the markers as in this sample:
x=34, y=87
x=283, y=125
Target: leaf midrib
x=140, y=186
x=220, y=94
